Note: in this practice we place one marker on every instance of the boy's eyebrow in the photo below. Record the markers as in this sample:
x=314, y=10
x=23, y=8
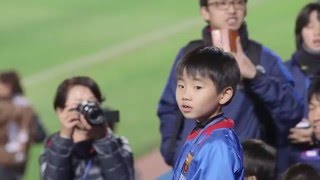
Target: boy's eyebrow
x=198, y=79
x=180, y=78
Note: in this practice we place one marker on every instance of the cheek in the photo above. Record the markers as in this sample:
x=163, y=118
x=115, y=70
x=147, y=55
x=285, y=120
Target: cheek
x=306, y=36
x=313, y=115
x=177, y=95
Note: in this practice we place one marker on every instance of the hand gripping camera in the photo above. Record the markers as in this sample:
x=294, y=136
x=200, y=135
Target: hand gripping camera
x=95, y=115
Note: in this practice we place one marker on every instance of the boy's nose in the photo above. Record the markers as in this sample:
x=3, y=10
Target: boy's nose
x=186, y=96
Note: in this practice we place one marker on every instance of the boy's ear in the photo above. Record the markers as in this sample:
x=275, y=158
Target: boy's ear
x=226, y=95
x=205, y=13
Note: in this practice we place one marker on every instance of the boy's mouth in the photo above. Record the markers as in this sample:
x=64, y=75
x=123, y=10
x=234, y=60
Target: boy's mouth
x=186, y=108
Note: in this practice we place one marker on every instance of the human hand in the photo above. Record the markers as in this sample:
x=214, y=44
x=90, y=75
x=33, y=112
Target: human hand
x=69, y=118
x=301, y=135
x=220, y=38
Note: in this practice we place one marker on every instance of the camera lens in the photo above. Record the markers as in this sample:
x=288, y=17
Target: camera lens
x=92, y=112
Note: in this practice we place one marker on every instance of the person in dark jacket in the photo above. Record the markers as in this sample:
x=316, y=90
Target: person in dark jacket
x=265, y=104
x=304, y=66
x=84, y=148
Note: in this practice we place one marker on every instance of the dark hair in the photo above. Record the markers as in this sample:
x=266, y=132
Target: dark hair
x=301, y=172
x=259, y=159
x=212, y=62
x=67, y=84
x=314, y=89
x=12, y=79
x=303, y=20
x=205, y=2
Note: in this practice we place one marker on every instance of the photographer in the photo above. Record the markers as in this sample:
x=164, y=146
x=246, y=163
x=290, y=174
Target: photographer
x=85, y=147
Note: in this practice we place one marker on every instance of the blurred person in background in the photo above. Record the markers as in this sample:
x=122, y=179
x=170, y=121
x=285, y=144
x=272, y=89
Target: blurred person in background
x=85, y=147
x=301, y=172
x=12, y=82
x=305, y=66
x=17, y=127
x=259, y=160
x=265, y=105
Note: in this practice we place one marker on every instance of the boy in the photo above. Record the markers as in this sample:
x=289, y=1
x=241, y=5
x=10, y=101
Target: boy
x=308, y=153
x=259, y=160
x=265, y=105
x=207, y=79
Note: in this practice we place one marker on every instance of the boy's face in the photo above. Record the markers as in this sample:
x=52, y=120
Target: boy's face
x=314, y=109
x=311, y=32
x=198, y=98
x=224, y=14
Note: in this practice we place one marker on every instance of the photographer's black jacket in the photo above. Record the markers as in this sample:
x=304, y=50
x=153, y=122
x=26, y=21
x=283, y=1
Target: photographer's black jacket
x=107, y=158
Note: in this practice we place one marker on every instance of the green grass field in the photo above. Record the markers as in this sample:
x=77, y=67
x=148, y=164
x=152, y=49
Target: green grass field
x=127, y=47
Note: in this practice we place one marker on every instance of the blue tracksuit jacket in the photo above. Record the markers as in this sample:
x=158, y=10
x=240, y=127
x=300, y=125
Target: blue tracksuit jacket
x=213, y=152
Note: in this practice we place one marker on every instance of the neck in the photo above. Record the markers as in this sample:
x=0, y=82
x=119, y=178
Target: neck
x=203, y=123
x=309, y=50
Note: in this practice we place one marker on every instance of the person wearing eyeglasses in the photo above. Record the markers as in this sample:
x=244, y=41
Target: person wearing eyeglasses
x=265, y=105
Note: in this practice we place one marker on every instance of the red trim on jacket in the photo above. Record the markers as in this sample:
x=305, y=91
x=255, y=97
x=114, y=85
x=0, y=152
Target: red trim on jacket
x=227, y=123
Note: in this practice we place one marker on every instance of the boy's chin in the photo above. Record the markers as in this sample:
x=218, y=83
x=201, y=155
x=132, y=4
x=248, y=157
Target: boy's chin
x=188, y=116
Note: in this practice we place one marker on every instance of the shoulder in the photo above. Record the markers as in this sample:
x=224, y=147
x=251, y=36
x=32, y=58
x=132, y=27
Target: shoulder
x=221, y=146
x=222, y=139
x=57, y=141
x=267, y=52
x=124, y=143
x=192, y=45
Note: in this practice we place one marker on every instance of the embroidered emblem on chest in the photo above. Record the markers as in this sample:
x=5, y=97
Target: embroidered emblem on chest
x=187, y=163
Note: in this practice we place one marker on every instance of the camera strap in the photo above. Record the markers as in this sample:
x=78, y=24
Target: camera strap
x=86, y=170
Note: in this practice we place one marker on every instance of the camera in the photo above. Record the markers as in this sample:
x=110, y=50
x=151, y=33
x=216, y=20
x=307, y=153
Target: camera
x=95, y=115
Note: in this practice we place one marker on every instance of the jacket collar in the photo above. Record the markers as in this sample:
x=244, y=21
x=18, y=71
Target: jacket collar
x=309, y=63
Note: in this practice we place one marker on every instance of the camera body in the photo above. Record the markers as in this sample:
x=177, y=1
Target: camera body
x=95, y=115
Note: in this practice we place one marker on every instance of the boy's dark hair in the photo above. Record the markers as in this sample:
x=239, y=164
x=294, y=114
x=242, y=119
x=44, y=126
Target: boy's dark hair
x=303, y=20
x=12, y=79
x=67, y=84
x=314, y=89
x=301, y=172
x=205, y=2
x=259, y=159
x=212, y=62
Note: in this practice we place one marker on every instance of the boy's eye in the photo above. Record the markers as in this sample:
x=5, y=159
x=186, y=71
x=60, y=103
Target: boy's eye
x=180, y=86
x=197, y=87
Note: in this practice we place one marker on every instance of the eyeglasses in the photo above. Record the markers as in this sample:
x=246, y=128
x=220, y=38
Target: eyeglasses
x=224, y=5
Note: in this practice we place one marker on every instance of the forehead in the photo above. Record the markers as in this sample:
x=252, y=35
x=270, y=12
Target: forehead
x=195, y=76
x=79, y=92
x=315, y=99
x=314, y=16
